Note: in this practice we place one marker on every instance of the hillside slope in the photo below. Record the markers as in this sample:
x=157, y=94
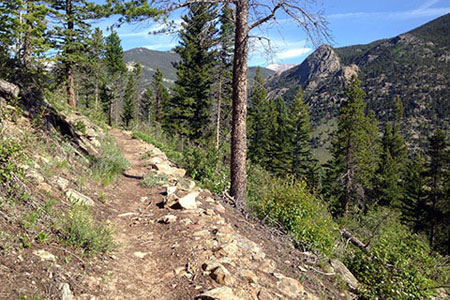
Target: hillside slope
x=67, y=231
x=152, y=59
x=414, y=65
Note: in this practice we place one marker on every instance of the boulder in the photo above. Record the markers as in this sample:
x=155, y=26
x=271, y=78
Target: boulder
x=78, y=198
x=290, y=287
x=347, y=276
x=66, y=293
x=222, y=276
x=188, y=201
x=8, y=90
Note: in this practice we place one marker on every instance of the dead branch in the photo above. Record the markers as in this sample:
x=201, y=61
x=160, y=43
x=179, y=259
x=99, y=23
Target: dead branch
x=355, y=241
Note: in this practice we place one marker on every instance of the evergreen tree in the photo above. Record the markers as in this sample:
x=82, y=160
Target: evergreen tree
x=116, y=68
x=388, y=189
x=161, y=97
x=279, y=154
x=96, y=56
x=145, y=109
x=69, y=34
x=355, y=147
x=33, y=33
x=302, y=162
x=413, y=201
x=438, y=206
x=129, y=100
x=190, y=107
x=224, y=70
x=258, y=109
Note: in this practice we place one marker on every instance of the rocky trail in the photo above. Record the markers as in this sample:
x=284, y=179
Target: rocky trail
x=178, y=242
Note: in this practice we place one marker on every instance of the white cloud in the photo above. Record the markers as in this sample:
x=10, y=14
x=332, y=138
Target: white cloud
x=291, y=53
x=425, y=10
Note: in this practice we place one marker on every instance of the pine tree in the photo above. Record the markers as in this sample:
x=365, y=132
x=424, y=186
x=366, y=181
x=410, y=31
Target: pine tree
x=116, y=69
x=413, y=201
x=129, y=100
x=302, y=162
x=258, y=109
x=437, y=197
x=279, y=154
x=190, y=107
x=145, y=108
x=224, y=70
x=388, y=186
x=69, y=35
x=355, y=149
x=34, y=36
x=95, y=66
x=161, y=97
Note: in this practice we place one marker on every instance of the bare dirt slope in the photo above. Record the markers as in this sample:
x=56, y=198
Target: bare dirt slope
x=207, y=251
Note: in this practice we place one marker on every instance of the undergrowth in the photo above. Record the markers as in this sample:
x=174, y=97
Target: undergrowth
x=110, y=163
x=78, y=228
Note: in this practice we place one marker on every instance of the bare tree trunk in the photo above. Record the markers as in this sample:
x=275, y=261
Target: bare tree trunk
x=69, y=67
x=96, y=94
x=238, y=138
x=219, y=107
x=347, y=179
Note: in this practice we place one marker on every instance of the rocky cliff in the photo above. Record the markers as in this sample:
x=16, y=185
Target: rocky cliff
x=414, y=65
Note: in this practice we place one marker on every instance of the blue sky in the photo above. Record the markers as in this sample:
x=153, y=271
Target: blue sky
x=350, y=22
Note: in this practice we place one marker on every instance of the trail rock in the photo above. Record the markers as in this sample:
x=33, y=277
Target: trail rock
x=290, y=287
x=185, y=184
x=167, y=219
x=222, y=276
x=221, y=293
x=78, y=198
x=45, y=255
x=188, y=201
x=36, y=176
x=348, y=277
x=66, y=293
x=249, y=276
x=62, y=183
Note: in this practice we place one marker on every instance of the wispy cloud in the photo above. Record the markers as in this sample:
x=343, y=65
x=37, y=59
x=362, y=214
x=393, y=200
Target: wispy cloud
x=291, y=53
x=425, y=10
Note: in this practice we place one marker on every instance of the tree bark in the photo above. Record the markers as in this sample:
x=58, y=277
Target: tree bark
x=69, y=67
x=239, y=131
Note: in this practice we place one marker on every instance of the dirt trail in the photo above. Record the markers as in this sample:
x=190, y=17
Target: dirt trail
x=136, y=271
x=206, y=249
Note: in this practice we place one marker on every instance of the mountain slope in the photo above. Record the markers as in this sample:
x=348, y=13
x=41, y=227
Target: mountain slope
x=414, y=65
x=152, y=59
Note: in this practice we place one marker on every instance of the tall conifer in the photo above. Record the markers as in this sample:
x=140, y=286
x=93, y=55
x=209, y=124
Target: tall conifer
x=190, y=107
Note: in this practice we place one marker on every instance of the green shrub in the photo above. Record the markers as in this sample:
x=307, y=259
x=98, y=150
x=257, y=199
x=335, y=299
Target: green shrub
x=78, y=228
x=167, y=147
x=109, y=164
x=11, y=155
x=292, y=205
x=81, y=127
x=152, y=180
x=399, y=264
x=206, y=166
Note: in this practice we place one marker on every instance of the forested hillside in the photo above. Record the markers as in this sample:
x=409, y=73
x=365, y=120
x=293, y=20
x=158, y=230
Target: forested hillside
x=160, y=175
x=413, y=66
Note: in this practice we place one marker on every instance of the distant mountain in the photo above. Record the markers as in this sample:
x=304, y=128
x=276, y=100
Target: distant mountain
x=152, y=59
x=414, y=65
x=279, y=67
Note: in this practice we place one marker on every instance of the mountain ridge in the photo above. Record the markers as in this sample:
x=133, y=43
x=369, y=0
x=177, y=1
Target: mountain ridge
x=413, y=65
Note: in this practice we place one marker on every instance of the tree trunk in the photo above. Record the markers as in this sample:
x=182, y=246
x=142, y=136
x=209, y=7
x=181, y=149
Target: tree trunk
x=27, y=40
x=69, y=67
x=347, y=178
x=219, y=106
x=96, y=92
x=238, y=138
